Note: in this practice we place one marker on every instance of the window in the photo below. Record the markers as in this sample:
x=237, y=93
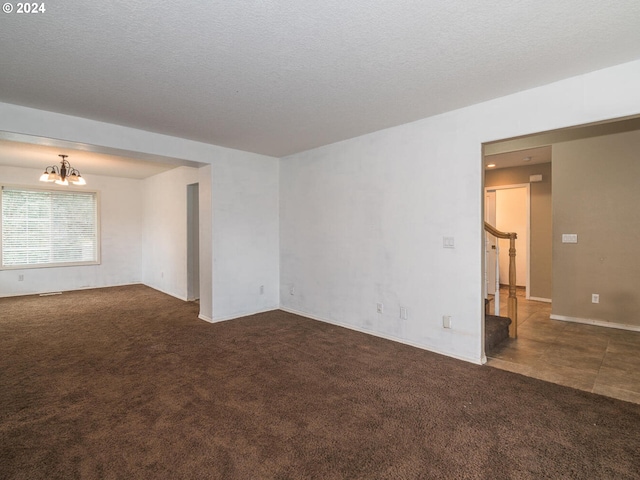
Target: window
x=46, y=228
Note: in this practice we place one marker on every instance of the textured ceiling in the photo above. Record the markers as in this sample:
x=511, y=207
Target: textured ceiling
x=278, y=77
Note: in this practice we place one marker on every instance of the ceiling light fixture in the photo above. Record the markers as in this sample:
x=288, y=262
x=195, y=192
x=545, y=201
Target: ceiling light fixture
x=62, y=175
x=491, y=165
x=526, y=159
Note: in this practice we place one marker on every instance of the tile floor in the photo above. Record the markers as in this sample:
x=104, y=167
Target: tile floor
x=596, y=359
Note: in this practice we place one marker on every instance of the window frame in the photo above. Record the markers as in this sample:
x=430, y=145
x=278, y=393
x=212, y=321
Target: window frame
x=50, y=188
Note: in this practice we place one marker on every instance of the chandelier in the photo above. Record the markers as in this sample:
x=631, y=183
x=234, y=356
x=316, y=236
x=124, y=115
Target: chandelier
x=62, y=175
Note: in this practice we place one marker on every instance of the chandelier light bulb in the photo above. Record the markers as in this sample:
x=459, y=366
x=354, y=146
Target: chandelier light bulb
x=63, y=174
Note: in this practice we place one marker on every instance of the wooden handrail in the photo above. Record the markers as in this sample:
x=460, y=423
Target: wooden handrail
x=497, y=233
x=512, y=301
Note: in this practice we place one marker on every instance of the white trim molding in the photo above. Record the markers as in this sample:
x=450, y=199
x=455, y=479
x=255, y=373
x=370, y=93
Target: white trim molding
x=476, y=361
x=539, y=299
x=598, y=323
x=57, y=292
x=238, y=315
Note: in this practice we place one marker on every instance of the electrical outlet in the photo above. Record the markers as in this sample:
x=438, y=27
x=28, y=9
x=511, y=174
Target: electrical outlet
x=446, y=321
x=403, y=313
x=595, y=298
x=261, y=289
x=379, y=307
x=292, y=290
x=21, y=278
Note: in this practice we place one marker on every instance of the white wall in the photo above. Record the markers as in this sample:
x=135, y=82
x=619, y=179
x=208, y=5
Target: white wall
x=206, y=256
x=362, y=221
x=121, y=239
x=245, y=236
x=164, y=256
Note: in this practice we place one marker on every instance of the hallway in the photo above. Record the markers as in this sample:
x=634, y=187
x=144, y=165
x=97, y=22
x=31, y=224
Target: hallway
x=596, y=359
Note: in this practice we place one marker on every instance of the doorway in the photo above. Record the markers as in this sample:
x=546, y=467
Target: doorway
x=550, y=347
x=507, y=209
x=193, y=242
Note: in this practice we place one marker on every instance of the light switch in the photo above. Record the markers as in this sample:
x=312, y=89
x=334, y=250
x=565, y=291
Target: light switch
x=569, y=238
x=448, y=242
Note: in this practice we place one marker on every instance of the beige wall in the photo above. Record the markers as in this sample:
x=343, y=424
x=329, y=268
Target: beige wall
x=596, y=195
x=541, y=221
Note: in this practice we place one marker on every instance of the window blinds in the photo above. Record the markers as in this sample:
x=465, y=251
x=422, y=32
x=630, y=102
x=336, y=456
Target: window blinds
x=48, y=227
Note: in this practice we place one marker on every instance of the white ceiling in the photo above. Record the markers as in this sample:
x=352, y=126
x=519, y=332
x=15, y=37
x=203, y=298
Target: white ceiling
x=519, y=158
x=278, y=77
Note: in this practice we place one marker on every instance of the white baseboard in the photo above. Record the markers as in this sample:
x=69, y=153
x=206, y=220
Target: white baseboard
x=539, y=299
x=598, y=323
x=46, y=292
x=179, y=297
x=240, y=315
x=205, y=318
x=477, y=361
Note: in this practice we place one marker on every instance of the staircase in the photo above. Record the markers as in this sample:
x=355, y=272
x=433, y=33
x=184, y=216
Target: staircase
x=512, y=301
x=496, y=330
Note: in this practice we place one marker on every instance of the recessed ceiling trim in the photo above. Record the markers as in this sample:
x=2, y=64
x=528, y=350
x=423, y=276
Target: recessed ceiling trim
x=84, y=147
x=549, y=137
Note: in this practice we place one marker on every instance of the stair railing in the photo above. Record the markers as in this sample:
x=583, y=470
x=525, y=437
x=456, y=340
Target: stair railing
x=512, y=301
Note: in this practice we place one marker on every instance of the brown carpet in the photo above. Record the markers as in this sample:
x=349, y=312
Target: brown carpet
x=126, y=383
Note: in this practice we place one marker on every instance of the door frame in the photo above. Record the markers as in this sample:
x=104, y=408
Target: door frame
x=490, y=260
x=527, y=186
